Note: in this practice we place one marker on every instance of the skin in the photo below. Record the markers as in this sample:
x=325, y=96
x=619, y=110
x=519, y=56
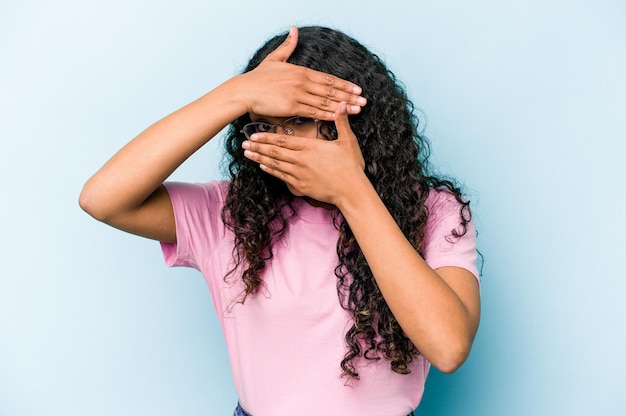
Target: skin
x=438, y=309
x=126, y=192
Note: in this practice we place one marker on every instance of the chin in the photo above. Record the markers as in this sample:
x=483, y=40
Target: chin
x=309, y=200
x=293, y=191
x=319, y=204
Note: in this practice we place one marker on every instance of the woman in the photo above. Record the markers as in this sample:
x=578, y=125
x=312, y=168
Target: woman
x=340, y=268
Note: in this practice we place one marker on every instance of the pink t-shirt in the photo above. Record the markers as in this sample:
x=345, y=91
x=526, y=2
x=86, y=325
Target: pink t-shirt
x=286, y=342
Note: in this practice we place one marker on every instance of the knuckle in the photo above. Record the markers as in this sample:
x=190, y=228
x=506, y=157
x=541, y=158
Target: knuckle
x=325, y=102
x=301, y=81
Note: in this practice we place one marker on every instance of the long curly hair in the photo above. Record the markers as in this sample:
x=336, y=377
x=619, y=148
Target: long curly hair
x=258, y=206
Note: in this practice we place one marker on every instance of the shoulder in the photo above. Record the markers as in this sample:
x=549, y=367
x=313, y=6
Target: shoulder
x=211, y=193
x=440, y=201
x=444, y=208
x=450, y=235
x=199, y=226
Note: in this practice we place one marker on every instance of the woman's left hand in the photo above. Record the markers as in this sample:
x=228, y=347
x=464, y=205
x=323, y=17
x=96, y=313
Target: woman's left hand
x=438, y=309
x=319, y=169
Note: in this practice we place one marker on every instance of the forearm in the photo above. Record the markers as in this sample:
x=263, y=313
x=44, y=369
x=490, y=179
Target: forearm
x=429, y=311
x=133, y=173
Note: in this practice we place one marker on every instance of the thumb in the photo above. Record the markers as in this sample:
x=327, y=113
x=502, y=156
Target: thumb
x=345, y=135
x=284, y=51
x=341, y=121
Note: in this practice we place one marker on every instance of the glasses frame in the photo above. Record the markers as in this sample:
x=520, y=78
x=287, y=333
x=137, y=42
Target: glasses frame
x=273, y=127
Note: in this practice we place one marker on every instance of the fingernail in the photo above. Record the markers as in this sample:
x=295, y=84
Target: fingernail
x=355, y=109
x=245, y=145
x=357, y=90
x=361, y=101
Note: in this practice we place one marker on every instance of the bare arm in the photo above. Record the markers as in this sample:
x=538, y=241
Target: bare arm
x=127, y=193
x=438, y=309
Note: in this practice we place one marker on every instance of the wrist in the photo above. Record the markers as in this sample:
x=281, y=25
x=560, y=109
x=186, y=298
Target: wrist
x=236, y=91
x=356, y=196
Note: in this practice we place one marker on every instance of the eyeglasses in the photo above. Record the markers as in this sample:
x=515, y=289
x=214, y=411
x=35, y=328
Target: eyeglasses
x=294, y=126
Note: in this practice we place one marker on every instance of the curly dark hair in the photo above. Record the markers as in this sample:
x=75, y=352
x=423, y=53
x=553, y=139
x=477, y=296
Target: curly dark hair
x=259, y=206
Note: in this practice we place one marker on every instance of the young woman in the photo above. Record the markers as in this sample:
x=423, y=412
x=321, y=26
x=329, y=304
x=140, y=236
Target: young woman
x=339, y=266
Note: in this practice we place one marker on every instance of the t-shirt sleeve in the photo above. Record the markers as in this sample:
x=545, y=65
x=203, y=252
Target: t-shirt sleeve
x=440, y=247
x=199, y=227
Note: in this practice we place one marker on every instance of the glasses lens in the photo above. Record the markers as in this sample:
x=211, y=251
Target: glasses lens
x=301, y=126
x=328, y=131
x=257, y=127
x=264, y=127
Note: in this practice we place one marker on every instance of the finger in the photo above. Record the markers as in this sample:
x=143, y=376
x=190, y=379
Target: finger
x=268, y=153
x=332, y=84
x=328, y=97
x=275, y=164
x=321, y=109
x=341, y=121
x=283, y=176
x=278, y=140
x=346, y=135
x=284, y=51
x=311, y=111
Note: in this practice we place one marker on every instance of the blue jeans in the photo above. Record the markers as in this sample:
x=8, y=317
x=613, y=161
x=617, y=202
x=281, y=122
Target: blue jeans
x=240, y=412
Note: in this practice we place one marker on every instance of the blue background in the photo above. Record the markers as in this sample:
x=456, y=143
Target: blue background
x=525, y=101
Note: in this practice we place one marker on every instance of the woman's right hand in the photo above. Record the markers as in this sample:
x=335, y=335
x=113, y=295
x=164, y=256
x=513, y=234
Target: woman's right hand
x=276, y=88
x=127, y=193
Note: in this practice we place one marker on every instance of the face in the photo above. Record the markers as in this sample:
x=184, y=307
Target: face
x=291, y=126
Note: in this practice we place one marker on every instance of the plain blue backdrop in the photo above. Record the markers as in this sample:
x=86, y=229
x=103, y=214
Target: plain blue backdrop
x=524, y=101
